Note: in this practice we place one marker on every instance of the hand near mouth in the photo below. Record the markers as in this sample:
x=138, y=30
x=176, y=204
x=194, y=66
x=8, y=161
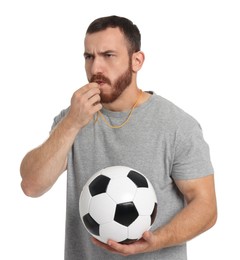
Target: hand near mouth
x=85, y=103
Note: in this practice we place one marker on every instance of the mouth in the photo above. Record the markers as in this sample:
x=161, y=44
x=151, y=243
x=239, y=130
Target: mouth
x=100, y=82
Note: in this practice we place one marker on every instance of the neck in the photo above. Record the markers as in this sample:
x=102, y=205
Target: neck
x=125, y=101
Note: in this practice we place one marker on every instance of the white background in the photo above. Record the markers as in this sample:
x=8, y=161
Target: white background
x=192, y=53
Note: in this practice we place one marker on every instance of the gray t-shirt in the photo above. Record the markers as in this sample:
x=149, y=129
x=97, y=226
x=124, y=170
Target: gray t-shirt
x=161, y=141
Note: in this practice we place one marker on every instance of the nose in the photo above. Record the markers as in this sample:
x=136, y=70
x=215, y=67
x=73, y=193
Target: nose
x=97, y=66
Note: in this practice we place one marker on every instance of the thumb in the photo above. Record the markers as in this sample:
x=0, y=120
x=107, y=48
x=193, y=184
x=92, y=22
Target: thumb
x=148, y=236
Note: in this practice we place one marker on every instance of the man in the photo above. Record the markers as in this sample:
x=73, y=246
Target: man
x=112, y=122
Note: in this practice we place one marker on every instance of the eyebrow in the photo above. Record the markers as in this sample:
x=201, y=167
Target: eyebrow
x=100, y=53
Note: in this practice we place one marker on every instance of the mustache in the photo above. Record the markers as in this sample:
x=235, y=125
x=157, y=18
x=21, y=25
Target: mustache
x=99, y=78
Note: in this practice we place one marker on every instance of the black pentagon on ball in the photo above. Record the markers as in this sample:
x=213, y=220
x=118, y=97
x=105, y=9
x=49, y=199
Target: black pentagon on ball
x=91, y=224
x=99, y=185
x=154, y=213
x=139, y=180
x=126, y=213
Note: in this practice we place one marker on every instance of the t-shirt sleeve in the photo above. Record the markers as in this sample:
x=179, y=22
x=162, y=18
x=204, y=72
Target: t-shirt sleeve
x=192, y=155
x=58, y=118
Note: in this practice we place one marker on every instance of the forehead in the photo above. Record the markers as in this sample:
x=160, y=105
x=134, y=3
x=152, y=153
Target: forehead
x=108, y=39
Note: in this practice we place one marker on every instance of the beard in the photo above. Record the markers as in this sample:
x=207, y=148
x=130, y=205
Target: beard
x=117, y=87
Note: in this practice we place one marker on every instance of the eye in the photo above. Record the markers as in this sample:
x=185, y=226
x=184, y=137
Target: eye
x=88, y=56
x=108, y=55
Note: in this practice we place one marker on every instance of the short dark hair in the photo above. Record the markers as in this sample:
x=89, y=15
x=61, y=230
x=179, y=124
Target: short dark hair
x=130, y=30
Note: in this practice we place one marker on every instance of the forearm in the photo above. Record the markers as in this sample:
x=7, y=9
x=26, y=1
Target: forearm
x=42, y=166
x=197, y=217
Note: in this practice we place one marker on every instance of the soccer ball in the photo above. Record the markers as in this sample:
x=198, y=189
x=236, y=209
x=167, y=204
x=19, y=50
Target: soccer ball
x=118, y=203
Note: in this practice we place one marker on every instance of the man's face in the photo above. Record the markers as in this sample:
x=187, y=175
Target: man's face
x=107, y=62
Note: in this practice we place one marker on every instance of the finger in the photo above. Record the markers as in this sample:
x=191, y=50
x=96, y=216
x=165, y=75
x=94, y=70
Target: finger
x=88, y=87
x=96, y=108
x=95, y=99
x=140, y=246
x=148, y=236
x=119, y=248
x=83, y=90
x=83, y=94
x=150, y=241
x=92, y=92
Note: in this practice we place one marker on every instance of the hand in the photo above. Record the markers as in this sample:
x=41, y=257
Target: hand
x=85, y=103
x=146, y=244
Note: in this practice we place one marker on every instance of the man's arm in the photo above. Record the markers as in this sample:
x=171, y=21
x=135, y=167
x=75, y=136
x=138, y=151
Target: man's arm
x=199, y=215
x=42, y=166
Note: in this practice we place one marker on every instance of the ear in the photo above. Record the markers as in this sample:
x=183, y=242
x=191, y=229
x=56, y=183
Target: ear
x=137, y=60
